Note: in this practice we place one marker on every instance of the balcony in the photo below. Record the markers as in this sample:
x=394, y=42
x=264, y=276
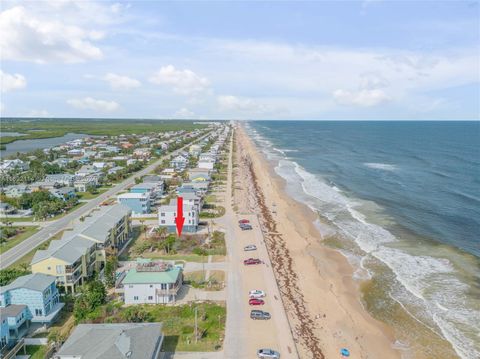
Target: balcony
x=171, y=291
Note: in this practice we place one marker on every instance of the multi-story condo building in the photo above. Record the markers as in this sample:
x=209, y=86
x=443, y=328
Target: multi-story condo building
x=83, y=250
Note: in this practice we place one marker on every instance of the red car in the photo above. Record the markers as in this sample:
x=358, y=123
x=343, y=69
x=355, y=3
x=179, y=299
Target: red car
x=251, y=261
x=243, y=221
x=256, y=301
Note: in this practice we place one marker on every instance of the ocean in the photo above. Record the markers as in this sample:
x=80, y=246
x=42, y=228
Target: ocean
x=401, y=200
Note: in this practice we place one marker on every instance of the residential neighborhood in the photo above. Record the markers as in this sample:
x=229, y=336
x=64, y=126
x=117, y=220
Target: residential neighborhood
x=99, y=249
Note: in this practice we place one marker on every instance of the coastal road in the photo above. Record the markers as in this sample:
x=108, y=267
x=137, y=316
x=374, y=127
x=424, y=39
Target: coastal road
x=244, y=336
x=24, y=247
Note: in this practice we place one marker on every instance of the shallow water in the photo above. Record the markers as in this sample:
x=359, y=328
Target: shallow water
x=402, y=201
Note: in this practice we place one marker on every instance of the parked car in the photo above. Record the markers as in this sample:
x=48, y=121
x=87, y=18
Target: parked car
x=245, y=227
x=256, y=301
x=251, y=261
x=268, y=354
x=250, y=247
x=256, y=293
x=259, y=314
x=243, y=221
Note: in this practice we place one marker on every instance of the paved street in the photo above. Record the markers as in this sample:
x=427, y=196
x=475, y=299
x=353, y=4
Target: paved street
x=53, y=227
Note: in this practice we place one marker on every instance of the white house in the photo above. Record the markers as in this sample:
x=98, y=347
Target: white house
x=179, y=162
x=152, y=282
x=82, y=184
x=206, y=164
x=167, y=214
x=9, y=165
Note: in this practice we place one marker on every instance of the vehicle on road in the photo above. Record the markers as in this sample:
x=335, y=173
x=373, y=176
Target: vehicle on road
x=251, y=261
x=268, y=354
x=250, y=247
x=257, y=293
x=246, y=227
x=259, y=314
x=256, y=301
x=243, y=221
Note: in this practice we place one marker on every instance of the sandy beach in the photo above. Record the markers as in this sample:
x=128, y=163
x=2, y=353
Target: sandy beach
x=319, y=295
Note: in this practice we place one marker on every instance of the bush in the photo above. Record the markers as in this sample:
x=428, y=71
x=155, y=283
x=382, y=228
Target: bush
x=200, y=251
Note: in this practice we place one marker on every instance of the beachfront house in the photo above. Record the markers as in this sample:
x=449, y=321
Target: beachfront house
x=152, y=282
x=113, y=341
x=198, y=175
x=206, y=164
x=167, y=214
x=38, y=293
x=138, y=202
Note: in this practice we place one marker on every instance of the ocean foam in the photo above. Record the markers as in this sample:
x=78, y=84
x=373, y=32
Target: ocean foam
x=381, y=166
x=432, y=281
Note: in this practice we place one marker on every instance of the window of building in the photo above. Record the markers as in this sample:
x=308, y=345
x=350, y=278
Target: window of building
x=60, y=269
x=135, y=297
x=162, y=221
x=162, y=214
x=151, y=285
x=150, y=297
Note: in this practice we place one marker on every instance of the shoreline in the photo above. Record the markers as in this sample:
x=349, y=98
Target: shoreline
x=334, y=304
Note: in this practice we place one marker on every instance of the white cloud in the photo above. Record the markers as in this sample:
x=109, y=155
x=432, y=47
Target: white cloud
x=26, y=37
x=9, y=82
x=184, y=113
x=363, y=98
x=242, y=106
x=119, y=82
x=184, y=82
x=88, y=103
x=38, y=113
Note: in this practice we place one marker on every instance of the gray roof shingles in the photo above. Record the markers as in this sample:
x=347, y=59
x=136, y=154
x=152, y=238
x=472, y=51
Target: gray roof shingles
x=113, y=341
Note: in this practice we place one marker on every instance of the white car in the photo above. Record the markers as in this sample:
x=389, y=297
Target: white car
x=268, y=354
x=256, y=293
x=250, y=247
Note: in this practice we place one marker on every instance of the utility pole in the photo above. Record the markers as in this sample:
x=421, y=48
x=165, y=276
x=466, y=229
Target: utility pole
x=196, y=326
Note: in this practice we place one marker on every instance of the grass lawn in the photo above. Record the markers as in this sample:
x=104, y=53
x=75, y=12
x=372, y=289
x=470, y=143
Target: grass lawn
x=24, y=233
x=58, y=216
x=17, y=219
x=178, y=323
x=27, y=258
x=36, y=351
x=215, y=281
x=88, y=195
x=178, y=257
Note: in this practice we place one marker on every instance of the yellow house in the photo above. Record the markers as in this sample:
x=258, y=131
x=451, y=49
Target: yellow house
x=71, y=261
x=81, y=252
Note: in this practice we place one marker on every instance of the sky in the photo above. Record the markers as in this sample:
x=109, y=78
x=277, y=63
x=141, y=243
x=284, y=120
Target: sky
x=241, y=60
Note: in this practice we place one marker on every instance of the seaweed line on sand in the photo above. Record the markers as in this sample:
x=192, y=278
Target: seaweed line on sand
x=287, y=278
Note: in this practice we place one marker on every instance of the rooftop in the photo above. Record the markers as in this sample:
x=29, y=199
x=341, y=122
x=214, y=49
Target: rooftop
x=35, y=281
x=152, y=272
x=12, y=310
x=113, y=341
